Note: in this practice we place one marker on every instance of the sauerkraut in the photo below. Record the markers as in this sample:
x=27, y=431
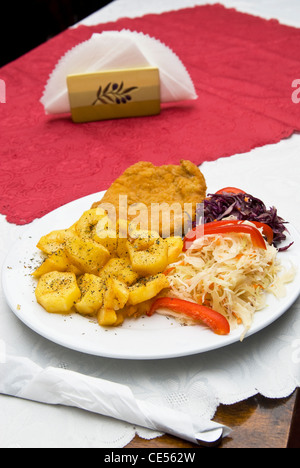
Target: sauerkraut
x=229, y=275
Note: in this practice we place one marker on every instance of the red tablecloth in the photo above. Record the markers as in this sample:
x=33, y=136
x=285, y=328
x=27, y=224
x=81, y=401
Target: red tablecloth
x=242, y=66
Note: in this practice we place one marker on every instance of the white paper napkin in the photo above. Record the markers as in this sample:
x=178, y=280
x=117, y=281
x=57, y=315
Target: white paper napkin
x=112, y=50
x=22, y=378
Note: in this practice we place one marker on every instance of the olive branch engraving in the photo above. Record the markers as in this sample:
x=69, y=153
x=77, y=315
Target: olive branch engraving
x=114, y=93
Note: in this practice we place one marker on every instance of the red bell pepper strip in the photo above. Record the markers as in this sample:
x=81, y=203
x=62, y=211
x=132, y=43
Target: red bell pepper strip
x=229, y=190
x=266, y=229
x=215, y=228
x=214, y=320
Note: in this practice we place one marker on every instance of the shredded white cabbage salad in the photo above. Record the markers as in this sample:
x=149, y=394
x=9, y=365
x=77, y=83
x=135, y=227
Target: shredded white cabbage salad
x=229, y=275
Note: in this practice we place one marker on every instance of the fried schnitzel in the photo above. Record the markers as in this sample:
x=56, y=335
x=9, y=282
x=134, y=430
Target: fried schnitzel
x=173, y=190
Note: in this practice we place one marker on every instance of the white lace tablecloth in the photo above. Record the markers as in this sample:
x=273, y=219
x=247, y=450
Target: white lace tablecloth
x=266, y=363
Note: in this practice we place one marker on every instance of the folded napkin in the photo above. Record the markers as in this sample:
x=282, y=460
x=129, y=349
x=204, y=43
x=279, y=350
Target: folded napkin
x=22, y=378
x=117, y=50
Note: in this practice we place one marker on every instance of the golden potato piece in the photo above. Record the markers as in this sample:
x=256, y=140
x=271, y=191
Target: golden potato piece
x=86, y=254
x=120, y=319
x=92, y=294
x=122, y=248
x=116, y=294
x=175, y=247
x=114, y=238
x=53, y=241
x=151, y=261
x=122, y=230
x=108, y=238
x=107, y=317
x=147, y=288
x=115, y=298
x=87, y=224
x=58, y=261
x=121, y=293
x=142, y=239
x=57, y=292
x=121, y=269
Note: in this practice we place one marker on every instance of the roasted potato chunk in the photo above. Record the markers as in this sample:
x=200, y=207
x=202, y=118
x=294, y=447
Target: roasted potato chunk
x=115, y=298
x=87, y=224
x=122, y=230
x=54, y=241
x=121, y=294
x=92, y=294
x=175, y=247
x=107, y=317
x=116, y=294
x=108, y=238
x=121, y=269
x=57, y=292
x=151, y=261
x=58, y=261
x=147, y=288
x=114, y=238
x=86, y=254
x=142, y=240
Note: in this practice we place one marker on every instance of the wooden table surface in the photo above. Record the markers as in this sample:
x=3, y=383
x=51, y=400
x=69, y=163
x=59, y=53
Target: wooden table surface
x=256, y=423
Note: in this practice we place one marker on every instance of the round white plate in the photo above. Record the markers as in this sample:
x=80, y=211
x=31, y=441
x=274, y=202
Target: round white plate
x=157, y=337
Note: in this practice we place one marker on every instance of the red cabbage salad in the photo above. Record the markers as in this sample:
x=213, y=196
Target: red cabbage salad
x=236, y=204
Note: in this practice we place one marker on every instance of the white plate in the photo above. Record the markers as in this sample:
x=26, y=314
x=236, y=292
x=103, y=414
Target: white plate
x=157, y=337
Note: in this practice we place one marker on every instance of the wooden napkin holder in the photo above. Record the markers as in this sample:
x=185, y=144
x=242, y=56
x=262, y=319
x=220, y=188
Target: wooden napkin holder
x=114, y=94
